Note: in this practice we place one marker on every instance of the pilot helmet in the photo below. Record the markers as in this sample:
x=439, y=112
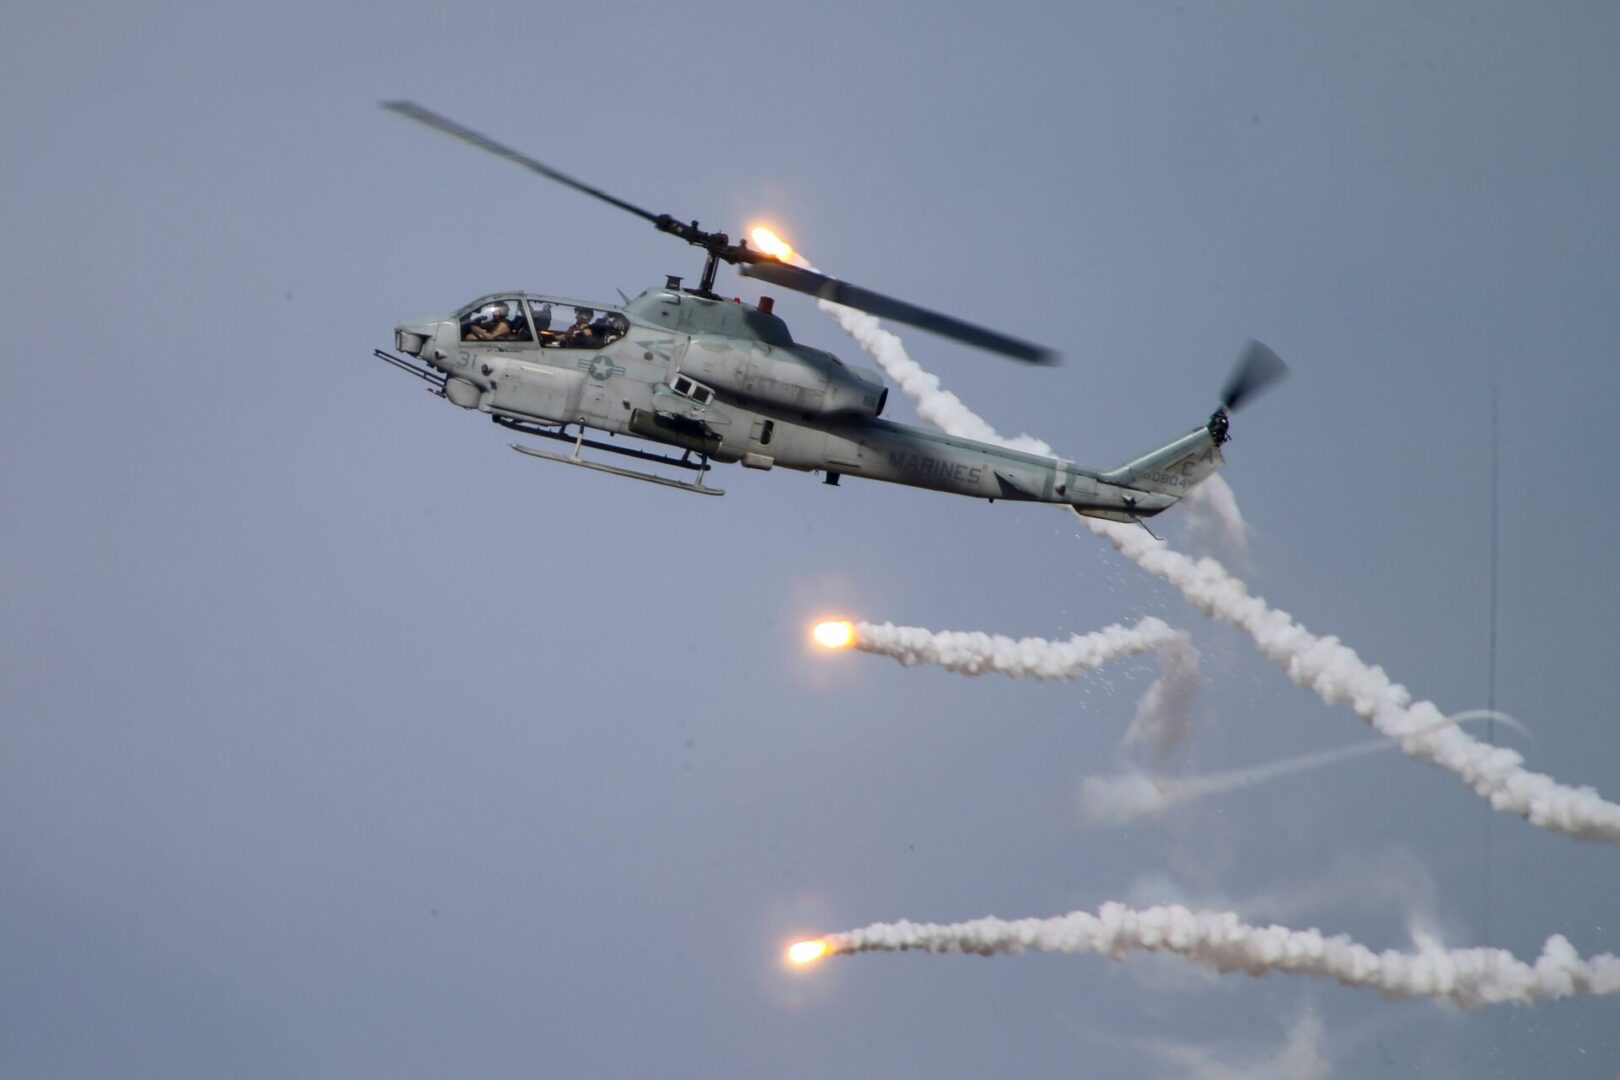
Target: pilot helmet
x=583, y=314
x=496, y=311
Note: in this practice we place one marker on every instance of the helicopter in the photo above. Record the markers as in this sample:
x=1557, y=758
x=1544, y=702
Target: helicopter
x=725, y=382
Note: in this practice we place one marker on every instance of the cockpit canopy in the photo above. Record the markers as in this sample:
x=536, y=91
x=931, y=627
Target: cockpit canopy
x=528, y=320
x=496, y=320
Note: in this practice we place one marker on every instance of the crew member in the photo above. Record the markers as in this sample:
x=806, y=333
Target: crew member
x=582, y=335
x=495, y=326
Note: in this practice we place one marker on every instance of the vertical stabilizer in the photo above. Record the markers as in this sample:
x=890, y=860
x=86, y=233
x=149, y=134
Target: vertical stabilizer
x=1174, y=468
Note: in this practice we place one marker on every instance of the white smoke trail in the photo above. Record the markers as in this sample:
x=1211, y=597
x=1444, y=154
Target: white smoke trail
x=1321, y=664
x=1213, y=516
x=1222, y=941
x=970, y=652
x=1127, y=797
x=1336, y=674
x=1163, y=715
x=1163, y=719
x=1112, y=801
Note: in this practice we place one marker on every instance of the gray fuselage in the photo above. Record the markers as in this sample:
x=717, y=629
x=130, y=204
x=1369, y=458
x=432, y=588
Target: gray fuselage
x=721, y=378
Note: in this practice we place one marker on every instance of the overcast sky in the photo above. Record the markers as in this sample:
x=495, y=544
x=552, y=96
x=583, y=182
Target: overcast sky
x=336, y=739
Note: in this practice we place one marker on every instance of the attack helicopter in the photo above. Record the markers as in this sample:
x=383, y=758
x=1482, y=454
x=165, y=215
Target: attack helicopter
x=721, y=381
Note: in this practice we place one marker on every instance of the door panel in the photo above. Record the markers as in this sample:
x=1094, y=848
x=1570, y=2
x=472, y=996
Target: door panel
x=539, y=390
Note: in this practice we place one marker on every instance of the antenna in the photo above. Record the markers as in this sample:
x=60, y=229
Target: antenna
x=1490, y=662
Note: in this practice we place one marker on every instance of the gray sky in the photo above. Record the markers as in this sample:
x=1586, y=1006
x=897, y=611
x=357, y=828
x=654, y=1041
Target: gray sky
x=337, y=739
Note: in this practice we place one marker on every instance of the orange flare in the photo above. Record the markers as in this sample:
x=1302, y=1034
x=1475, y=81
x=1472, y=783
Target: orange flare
x=833, y=633
x=771, y=244
x=807, y=952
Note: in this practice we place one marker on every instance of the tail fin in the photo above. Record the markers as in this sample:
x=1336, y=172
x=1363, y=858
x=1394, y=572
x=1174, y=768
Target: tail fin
x=1175, y=468
x=1160, y=477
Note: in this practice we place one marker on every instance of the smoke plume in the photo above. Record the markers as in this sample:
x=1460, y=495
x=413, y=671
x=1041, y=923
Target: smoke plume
x=1220, y=940
x=1214, y=518
x=1321, y=664
x=971, y=652
x=1338, y=676
x=1126, y=797
x=1163, y=719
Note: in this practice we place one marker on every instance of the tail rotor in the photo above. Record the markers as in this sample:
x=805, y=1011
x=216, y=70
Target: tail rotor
x=1257, y=369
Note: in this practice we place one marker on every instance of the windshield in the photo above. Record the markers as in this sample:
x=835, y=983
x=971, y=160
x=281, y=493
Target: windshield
x=552, y=324
x=497, y=320
x=589, y=329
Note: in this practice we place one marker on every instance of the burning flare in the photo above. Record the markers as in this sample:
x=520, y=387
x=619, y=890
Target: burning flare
x=771, y=244
x=806, y=952
x=833, y=633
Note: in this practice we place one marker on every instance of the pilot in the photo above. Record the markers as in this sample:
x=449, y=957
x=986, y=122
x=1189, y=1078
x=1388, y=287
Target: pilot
x=582, y=335
x=605, y=329
x=495, y=326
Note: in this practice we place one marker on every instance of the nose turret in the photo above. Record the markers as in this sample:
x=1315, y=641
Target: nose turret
x=423, y=338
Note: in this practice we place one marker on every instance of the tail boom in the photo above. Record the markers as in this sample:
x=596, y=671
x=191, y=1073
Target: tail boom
x=1157, y=480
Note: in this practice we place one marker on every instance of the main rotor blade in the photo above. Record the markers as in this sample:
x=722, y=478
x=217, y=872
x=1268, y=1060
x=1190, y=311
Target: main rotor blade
x=842, y=292
x=483, y=142
x=1257, y=368
x=754, y=264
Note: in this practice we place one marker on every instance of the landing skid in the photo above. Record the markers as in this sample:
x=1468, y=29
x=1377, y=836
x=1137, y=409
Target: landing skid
x=697, y=487
x=615, y=470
